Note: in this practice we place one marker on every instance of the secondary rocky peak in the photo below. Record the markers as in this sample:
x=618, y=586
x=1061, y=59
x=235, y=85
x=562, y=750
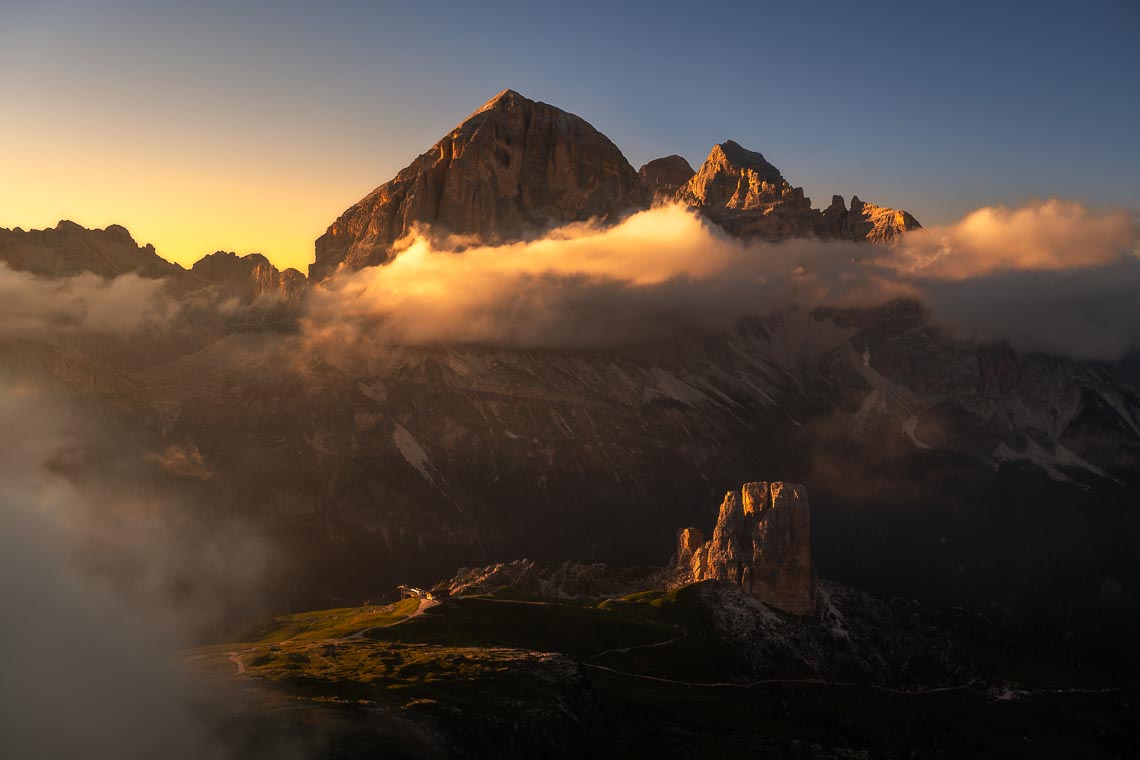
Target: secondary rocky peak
x=732, y=155
x=742, y=192
x=512, y=169
x=663, y=177
x=734, y=178
x=761, y=543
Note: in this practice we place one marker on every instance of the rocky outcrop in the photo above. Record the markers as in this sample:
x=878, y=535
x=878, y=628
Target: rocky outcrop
x=514, y=168
x=248, y=277
x=762, y=544
x=661, y=178
x=68, y=250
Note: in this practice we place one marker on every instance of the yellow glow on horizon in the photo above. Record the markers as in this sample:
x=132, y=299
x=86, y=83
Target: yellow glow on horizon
x=184, y=213
x=188, y=191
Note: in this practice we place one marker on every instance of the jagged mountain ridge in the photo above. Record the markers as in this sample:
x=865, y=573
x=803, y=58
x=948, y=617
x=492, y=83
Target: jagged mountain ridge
x=513, y=169
x=517, y=167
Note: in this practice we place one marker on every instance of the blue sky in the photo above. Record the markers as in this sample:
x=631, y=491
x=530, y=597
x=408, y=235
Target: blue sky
x=250, y=126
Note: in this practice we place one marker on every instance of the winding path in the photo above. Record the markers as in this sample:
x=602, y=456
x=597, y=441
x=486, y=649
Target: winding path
x=749, y=684
x=684, y=634
x=805, y=681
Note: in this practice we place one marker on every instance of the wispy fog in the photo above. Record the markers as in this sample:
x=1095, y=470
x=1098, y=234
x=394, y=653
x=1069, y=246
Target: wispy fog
x=1050, y=276
x=101, y=589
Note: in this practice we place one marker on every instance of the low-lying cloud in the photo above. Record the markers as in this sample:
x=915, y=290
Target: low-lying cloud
x=33, y=306
x=1048, y=236
x=1051, y=276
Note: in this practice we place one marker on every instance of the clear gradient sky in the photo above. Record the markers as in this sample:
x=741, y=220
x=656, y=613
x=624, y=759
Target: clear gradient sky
x=251, y=126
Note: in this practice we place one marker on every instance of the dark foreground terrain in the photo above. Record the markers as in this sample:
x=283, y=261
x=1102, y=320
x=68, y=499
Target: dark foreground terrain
x=700, y=671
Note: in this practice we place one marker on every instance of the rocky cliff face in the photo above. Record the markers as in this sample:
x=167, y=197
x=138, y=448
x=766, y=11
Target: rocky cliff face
x=762, y=544
x=514, y=168
x=248, y=277
x=742, y=192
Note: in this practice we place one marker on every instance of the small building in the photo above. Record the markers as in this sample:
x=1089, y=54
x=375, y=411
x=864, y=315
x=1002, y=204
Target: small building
x=412, y=591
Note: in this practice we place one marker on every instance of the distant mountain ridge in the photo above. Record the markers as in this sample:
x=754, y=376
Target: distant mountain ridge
x=68, y=249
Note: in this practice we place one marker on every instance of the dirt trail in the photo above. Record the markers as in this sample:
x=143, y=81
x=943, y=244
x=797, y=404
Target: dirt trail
x=804, y=681
x=684, y=634
x=518, y=601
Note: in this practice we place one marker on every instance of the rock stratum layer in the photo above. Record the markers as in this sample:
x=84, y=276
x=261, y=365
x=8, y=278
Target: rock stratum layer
x=762, y=543
x=514, y=168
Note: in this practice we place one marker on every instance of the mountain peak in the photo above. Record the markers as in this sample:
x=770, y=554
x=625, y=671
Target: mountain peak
x=734, y=178
x=735, y=155
x=511, y=170
x=505, y=99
